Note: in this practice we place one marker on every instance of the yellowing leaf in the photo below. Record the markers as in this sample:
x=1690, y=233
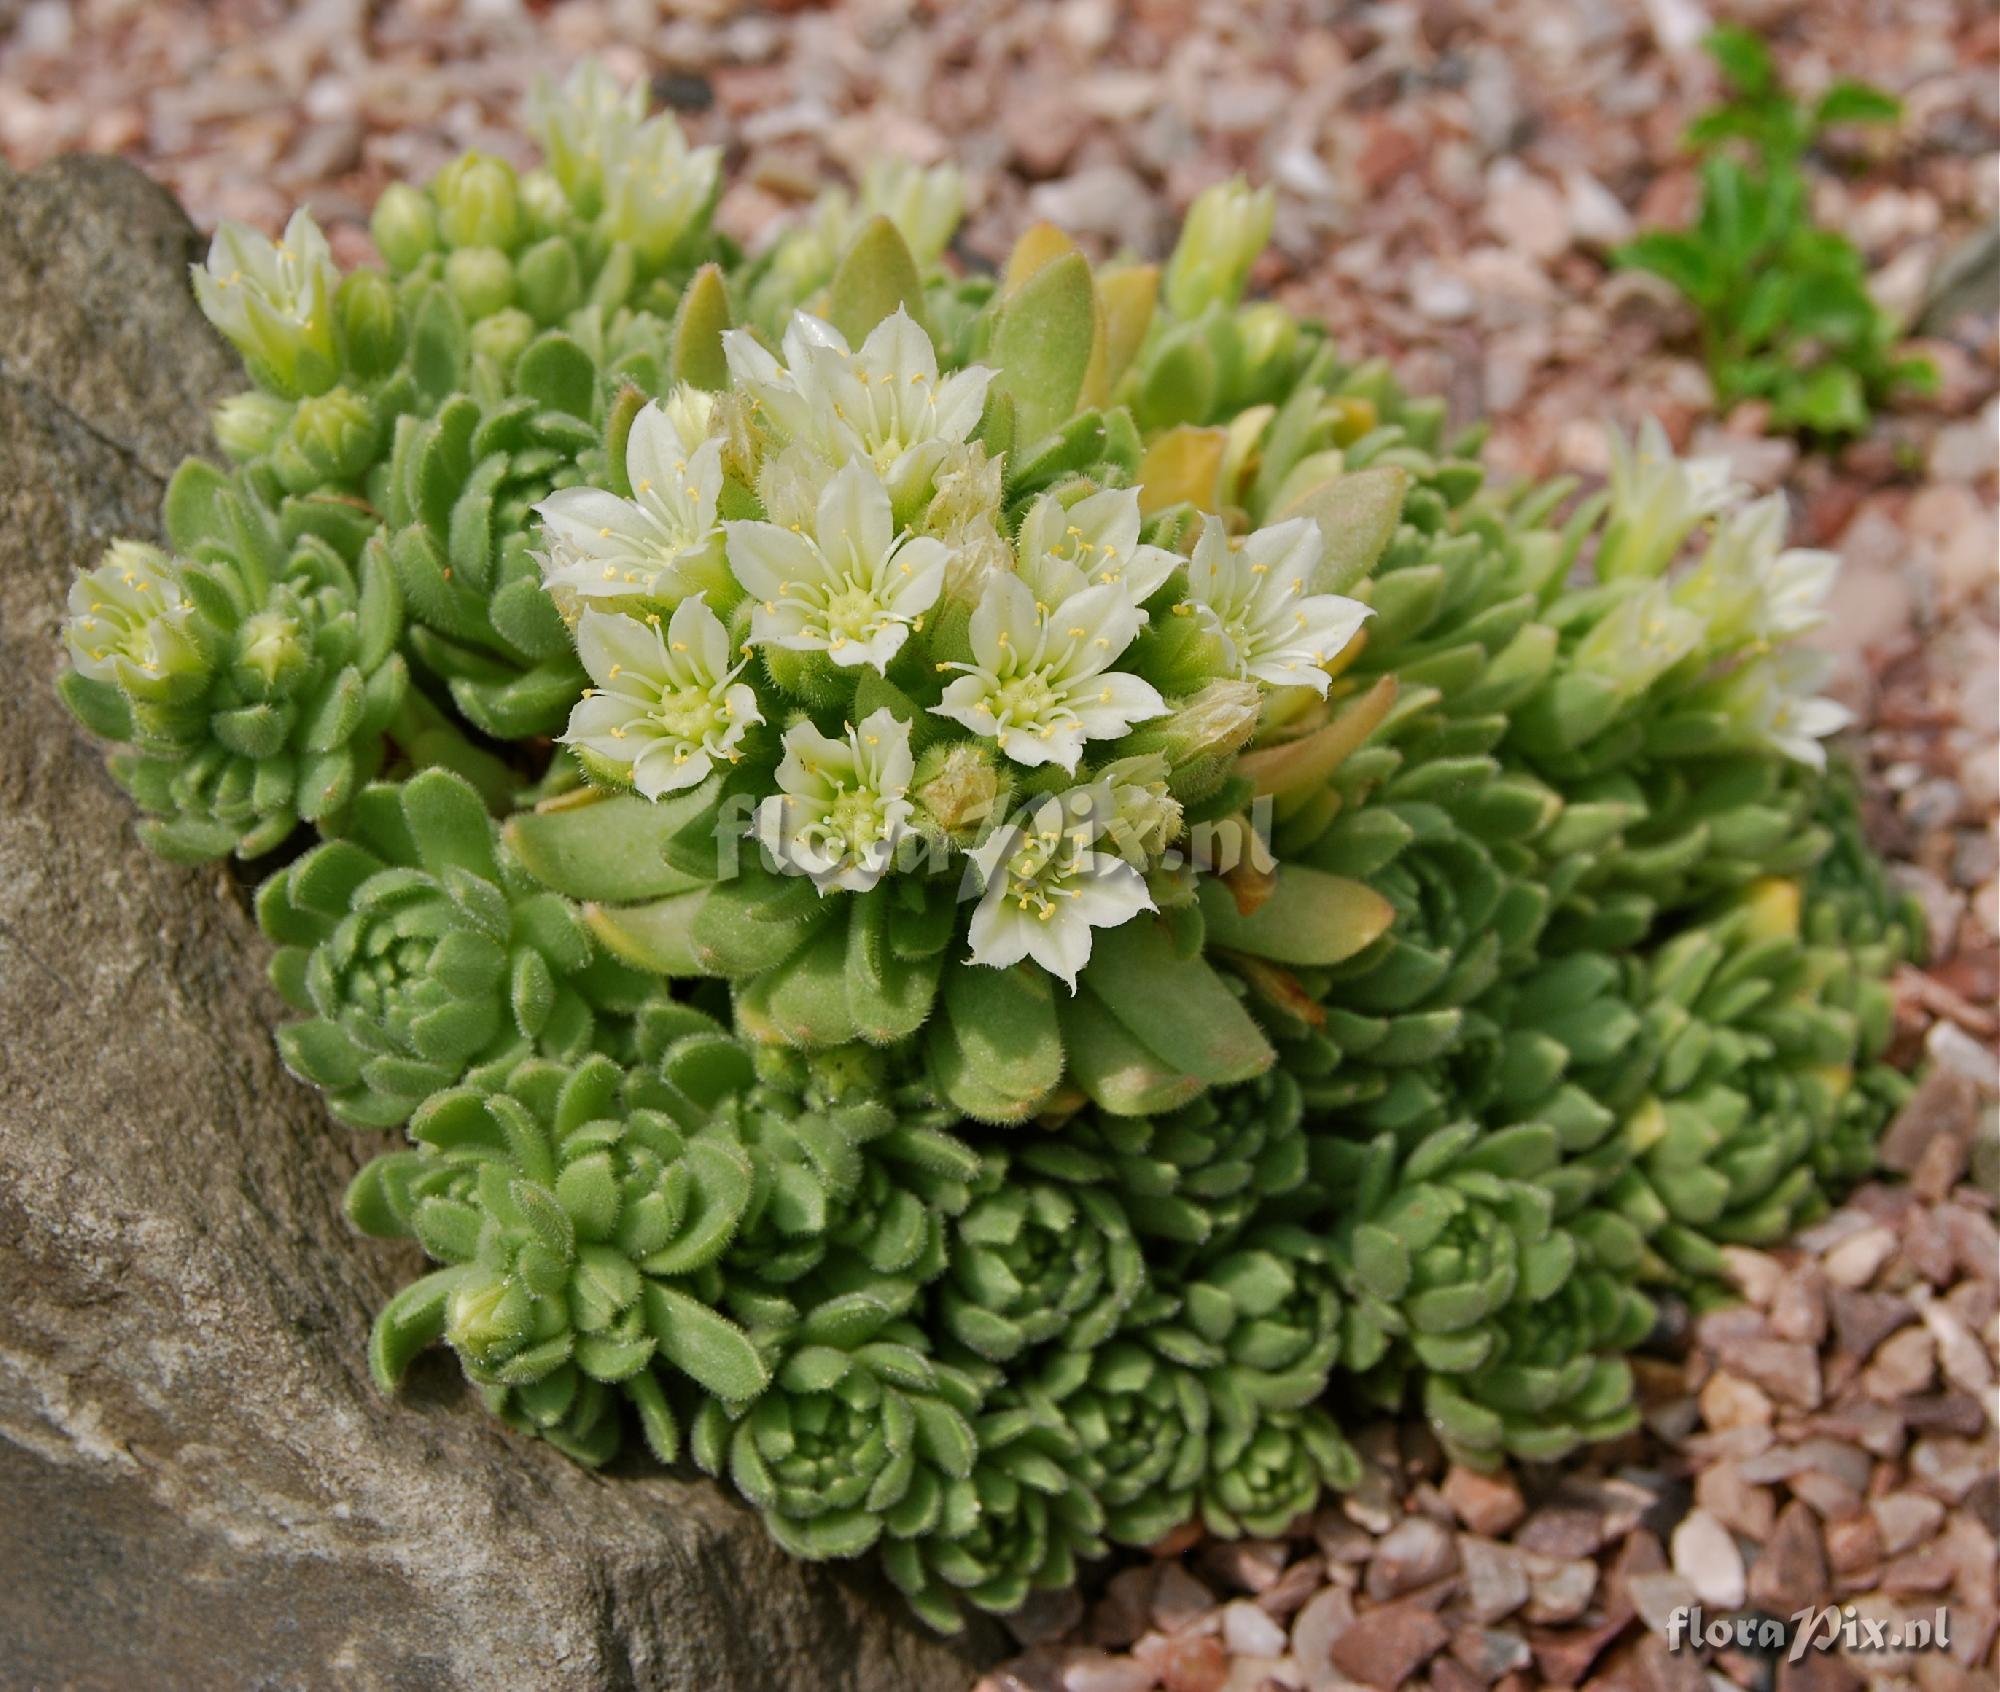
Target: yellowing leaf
x=1128, y=296
x=1309, y=762
x=1040, y=245
x=1184, y=464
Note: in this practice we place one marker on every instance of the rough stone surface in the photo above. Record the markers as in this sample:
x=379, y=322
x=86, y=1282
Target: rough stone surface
x=199, y=1486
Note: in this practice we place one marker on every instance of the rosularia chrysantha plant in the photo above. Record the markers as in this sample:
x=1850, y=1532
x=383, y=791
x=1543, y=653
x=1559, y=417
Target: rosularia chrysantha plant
x=983, y=898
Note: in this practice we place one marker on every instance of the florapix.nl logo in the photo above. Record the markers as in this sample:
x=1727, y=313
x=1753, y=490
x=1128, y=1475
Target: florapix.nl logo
x=1828, y=1627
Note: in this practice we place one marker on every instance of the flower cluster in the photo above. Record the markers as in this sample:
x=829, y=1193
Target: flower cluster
x=905, y=687
x=779, y=726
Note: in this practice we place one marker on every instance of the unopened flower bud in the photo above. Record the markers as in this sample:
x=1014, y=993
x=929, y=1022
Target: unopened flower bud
x=482, y=278
x=370, y=324
x=331, y=439
x=479, y=203
x=271, y=647
x=958, y=788
x=550, y=285
x=924, y=205
x=274, y=300
x=484, y=1317
x=1214, y=723
x=248, y=425
x=503, y=337
x=404, y=227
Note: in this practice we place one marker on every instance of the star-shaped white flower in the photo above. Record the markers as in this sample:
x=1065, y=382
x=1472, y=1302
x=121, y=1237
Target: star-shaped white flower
x=1046, y=886
x=1064, y=549
x=844, y=804
x=651, y=546
x=1251, y=595
x=1750, y=586
x=884, y=403
x=925, y=205
x=583, y=122
x=852, y=589
x=1641, y=638
x=274, y=299
x=657, y=189
x=1656, y=501
x=1041, y=683
x=1775, y=699
x=665, y=708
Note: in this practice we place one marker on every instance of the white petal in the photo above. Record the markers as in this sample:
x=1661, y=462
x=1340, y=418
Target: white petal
x=999, y=932
x=1109, y=704
x=1060, y=943
x=915, y=575
x=606, y=641
x=854, y=520
x=766, y=559
x=660, y=769
x=961, y=397
x=698, y=646
x=654, y=450
x=1112, y=893
x=898, y=346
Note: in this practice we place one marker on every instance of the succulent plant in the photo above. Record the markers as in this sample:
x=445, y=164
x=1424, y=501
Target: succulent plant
x=1261, y=1319
x=1030, y=1260
x=419, y=955
x=1761, y=1049
x=1141, y=1424
x=1080, y=890
x=1559, y=1380
x=569, y=1224
x=1016, y=1525
x=1267, y=1471
x=1195, y=1175
x=861, y=1435
x=250, y=685
x=847, y=1159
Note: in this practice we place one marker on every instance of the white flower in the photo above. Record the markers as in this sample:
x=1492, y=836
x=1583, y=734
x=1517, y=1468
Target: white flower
x=1040, y=683
x=1251, y=595
x=1045, y=887
x=844, y=804
x=1750, y=586
x=852, y=589
x=582, y=124
x=1656, y=500
x=1775, y=699
x=924, y=205
x=656, y=190
x=274, y=300
x=1641, y=638
x=1064, y=549
x=651, y=546
x=665, y=708
x=130, y=621
x=884, y=403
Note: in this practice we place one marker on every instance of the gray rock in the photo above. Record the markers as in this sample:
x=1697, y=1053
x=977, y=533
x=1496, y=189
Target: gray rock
x=199, y=1485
